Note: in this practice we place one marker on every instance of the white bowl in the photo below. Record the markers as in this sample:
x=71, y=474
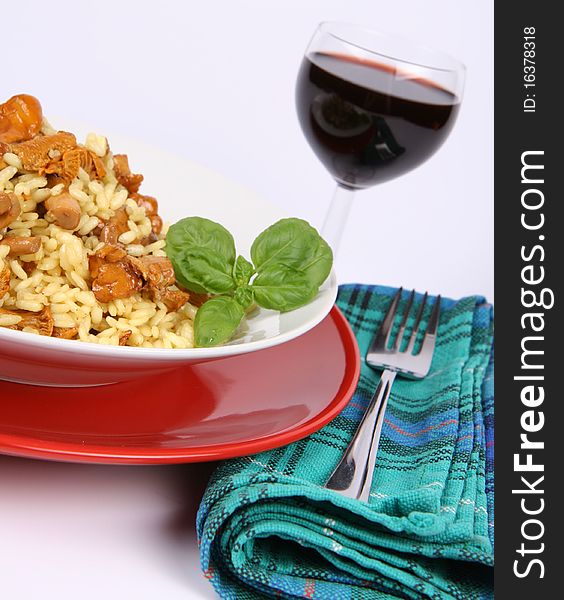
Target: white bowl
x=182, y=188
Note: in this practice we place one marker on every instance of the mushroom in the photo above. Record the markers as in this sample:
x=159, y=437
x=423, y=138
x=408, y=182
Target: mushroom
x=124, y=336
x=36, y=153
x=151, y=207
x=113, y=277
x=115, y=281
x=10, y=208
x=20, y=118
x=157, y=273
x=67, y=165
x=149, y=203
x=41, y=321
x=5, y=274
x=173, y=299
x=22, y=245
x=129, y=180
x=156, y=224
x=65, y=333
x=64, y=209
x=114, y=227
x=197, y=299
x=28, y=266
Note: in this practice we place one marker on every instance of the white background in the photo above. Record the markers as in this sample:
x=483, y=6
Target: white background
x=214, y=81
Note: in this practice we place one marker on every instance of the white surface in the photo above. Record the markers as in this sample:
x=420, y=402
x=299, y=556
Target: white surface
x=214, y=81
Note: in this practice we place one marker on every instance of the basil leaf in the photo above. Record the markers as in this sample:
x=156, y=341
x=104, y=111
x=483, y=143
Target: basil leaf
x=283, y=288
x=243, y=271
x=245, y=296
x=293, y=243
x=319, y=267
x=216, y=321
x=204, y=271
x=210, y=244
x=197, y=232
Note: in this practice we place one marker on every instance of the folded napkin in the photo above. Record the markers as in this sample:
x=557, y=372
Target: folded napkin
x=268, y=529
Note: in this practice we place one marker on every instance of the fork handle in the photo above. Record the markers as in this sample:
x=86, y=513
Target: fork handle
x=352, y=477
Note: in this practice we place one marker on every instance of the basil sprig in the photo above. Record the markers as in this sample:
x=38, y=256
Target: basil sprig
x=290, y=260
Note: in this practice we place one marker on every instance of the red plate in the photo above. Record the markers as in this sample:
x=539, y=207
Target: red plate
x=229, y=407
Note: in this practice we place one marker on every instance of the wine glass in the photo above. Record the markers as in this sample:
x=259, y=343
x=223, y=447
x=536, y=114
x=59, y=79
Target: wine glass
x=372, y=106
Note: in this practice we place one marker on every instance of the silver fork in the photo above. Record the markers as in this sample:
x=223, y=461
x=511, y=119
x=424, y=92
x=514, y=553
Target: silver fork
x=352, y=477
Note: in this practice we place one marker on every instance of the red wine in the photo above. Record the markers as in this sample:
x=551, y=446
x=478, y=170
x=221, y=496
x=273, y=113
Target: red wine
x=366, y=122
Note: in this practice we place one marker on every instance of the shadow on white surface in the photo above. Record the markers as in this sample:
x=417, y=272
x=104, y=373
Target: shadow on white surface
x=98, y=529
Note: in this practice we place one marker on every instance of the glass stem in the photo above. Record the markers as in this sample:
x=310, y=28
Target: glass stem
x=336, y=217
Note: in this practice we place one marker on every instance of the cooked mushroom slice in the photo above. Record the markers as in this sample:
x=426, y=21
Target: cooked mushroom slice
x=52, y=181
x=94, y=166
x=115, y=281
x=171, y=298
x=198, y=299
x=158, y=275
x=124, y=336
x=113, y=276
x=4, y=281
x=156, y=224
x=28, y=266
x=149, y=203
x=41, y=150
x=20, y=118
x=41, y=321
x=129, y=180
x=107, y=253
x=38, y=152
x=151, y=207
x=64, y=209
x=157, y=271
x=22, y=245
x=10, y=208
x=114, y=227
x=152, y=237
x=66, y=166
x=65, y=333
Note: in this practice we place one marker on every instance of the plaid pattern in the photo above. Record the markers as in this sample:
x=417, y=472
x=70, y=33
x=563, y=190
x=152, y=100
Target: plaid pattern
x=267, y=529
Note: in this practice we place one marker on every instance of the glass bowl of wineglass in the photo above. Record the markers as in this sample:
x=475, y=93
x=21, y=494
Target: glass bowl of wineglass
x=373, y=106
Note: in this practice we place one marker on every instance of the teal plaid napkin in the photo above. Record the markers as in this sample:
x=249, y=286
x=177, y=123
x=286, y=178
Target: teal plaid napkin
x=267, y=529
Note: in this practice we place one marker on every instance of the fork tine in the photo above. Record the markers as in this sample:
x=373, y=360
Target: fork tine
x=415, y=329
x=428, y=345
x=381, y=339
x=401, y=331
x=388, y=323
x=433, y=324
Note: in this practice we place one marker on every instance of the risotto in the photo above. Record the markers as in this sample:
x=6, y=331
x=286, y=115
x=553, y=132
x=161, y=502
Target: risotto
x=81, y=250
